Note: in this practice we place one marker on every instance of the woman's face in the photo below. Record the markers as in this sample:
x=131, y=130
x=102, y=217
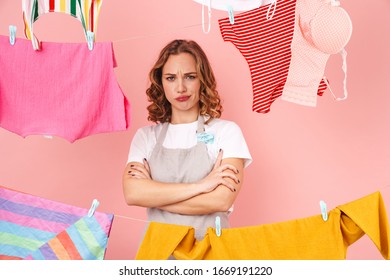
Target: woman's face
x=181, y=86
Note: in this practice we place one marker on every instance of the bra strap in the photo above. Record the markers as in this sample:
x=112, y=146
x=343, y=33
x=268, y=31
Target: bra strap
x=343, y=54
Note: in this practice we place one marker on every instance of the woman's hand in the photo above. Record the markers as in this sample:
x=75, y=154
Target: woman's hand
x=218, y=176
x=139, y=170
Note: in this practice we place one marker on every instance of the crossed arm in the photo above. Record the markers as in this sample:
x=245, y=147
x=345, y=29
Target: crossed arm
x=216, y=192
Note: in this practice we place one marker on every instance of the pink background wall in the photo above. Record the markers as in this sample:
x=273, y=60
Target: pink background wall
x=336, y=152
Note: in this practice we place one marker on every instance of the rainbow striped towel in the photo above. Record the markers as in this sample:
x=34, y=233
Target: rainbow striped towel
x=36, y=228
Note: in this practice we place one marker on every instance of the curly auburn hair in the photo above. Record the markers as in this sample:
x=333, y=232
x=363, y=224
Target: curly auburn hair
x=209, y=101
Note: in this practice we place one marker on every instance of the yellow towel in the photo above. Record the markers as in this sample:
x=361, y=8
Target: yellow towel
x=301, y=239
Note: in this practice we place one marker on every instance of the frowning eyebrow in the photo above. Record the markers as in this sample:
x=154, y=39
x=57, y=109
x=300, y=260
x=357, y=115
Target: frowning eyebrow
x=185, y=74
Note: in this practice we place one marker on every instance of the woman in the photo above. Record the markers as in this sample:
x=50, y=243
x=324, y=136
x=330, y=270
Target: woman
x=187, y=168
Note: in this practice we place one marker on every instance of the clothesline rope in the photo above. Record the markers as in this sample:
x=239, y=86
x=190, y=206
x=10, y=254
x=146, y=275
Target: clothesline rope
x=129, y=218
x=149, y=35
x=146, y=221
x=156, y=34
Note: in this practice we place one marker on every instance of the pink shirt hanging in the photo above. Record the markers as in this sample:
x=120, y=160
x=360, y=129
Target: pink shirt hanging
x=64, y=90
x=60, y=89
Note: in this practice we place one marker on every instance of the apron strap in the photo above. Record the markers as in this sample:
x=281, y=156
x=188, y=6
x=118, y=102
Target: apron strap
x=161, y=136
x=200, y=128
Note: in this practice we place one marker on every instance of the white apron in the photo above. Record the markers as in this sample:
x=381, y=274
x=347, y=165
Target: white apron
x=183, y=166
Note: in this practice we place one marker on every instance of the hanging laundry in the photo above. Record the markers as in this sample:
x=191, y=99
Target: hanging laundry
x=36, y=228
x=263, y=36
x=321, y=28
x=301, y=239
x=63, y=90
x=86, y=11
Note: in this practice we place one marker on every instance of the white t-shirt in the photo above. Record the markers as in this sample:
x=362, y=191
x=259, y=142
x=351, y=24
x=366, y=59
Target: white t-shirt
x=226, y=135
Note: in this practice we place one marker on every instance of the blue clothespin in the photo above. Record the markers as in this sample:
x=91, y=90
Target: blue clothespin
x=12, y=34
x=231, y=14
x=218, y=225
x=95, y=204
x=324, y=211
x=90, y=39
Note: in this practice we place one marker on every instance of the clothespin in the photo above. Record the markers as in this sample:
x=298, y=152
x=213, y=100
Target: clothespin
x=324, y=211
x=12, y=34
x=273, y=8
x=231, y=14
x=218, y=225
x=209, y=13
x=90, y=39
x=95, y=204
